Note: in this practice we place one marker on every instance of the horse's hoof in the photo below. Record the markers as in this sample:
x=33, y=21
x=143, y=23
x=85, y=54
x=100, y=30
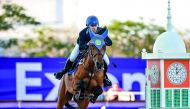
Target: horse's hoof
x=93, y=100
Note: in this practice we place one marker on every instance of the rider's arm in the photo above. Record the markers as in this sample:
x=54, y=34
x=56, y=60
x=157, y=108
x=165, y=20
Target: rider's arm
x=81, y=41
x=108, y=41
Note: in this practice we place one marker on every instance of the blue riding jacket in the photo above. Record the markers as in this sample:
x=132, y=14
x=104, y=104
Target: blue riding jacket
x=84, y=37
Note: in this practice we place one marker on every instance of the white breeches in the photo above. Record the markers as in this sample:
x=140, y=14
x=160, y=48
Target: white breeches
x=76, y=51
x=106, y=59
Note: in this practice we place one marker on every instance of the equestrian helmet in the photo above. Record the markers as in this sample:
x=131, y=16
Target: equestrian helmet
x=92, y=21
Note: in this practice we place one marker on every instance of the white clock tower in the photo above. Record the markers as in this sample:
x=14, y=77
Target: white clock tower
x=168, y=71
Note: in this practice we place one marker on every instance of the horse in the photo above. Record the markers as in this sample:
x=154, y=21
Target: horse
x=86, y=85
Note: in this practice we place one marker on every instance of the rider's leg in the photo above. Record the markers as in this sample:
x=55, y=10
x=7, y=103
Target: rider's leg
x=106, y=81
x=69, y=63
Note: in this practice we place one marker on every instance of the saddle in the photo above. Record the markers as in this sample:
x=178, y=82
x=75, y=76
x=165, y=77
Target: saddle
x=76, y=63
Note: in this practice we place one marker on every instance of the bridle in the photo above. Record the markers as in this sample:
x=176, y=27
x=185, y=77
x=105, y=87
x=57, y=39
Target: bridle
x=94, y=55
x=91, y=55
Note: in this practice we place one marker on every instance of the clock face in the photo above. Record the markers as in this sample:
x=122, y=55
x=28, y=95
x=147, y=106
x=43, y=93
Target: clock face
x=154, y=75
x=176, y=73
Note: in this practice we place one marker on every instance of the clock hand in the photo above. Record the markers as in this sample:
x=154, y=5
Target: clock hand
x=178, y=70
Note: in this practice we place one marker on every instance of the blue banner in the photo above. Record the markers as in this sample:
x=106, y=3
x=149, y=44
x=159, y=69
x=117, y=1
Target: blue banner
x=32, y=78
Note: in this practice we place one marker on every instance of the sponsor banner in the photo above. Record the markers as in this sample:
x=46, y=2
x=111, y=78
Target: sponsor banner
x=32, y=79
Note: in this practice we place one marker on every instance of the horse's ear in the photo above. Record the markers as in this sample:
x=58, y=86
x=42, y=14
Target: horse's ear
x=105, y=34
x=91, y=33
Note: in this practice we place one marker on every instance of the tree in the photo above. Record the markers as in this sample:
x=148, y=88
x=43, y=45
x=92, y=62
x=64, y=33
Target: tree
x=45, y=44
x=131, y=37
x=9, y=43
x=14, y=14
x=186, y=37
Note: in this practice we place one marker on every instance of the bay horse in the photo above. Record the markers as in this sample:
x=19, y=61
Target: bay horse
x=86, y=85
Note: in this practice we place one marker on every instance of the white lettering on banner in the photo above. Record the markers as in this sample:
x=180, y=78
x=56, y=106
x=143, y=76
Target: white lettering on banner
x=53, y=93
x=128, y=80
x=112, y=78
x=22, y=81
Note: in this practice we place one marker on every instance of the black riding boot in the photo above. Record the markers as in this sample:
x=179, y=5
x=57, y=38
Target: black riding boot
x=106, y=81
x=60, y=74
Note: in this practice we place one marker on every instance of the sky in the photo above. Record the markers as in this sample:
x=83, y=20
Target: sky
x=75, y=12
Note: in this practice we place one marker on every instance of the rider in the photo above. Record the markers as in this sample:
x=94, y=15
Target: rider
x=93, y=24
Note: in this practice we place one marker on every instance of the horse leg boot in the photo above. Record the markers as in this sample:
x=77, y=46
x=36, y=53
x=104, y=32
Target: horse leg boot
x=106, y=80
x=60, y=74
x=80, y=91
x=97, y=92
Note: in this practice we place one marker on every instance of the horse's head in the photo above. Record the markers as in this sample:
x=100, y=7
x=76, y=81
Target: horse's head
x=97, y=48
x=97, y=55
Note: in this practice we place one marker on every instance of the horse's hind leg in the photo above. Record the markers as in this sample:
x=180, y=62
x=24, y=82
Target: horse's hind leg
x=61, y=94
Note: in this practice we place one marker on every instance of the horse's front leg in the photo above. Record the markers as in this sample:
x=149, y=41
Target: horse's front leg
x=79, y=88
x=98, y=91
x=98, y=88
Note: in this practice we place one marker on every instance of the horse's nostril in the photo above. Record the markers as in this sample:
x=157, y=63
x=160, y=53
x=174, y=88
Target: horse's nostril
x=99, y=65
